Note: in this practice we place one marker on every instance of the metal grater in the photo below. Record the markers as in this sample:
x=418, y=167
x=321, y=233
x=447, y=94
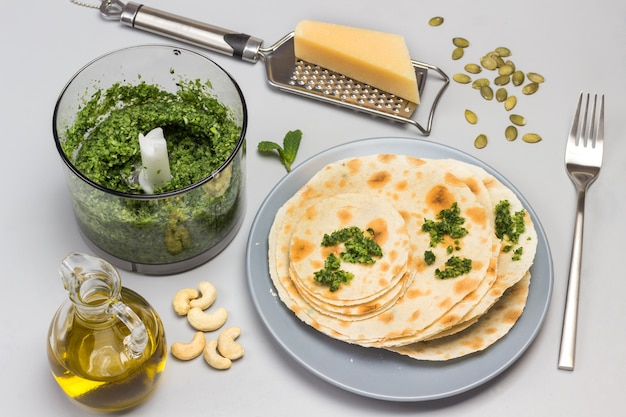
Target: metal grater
x=284, y=70
x=288, y=73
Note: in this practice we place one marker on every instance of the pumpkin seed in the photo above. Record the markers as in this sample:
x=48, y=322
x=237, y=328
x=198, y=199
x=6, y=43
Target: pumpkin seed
x=510, y=133
x=511, y=64
x=461, y=78
x=436, y=21
x=479, y=83
x=460, y=42
x=480, y=141
x=486, y=92
x=518, y=120
x=502, y=51
x=488, y=63
x=506, y=69
x=510, y=103
x=531, y=138
x=473, y=68
x=518, y=78
x=471, y=117
x=536, y=78
x=457, y=53
x=501, y=94
x=530, y=88
x=502, y=80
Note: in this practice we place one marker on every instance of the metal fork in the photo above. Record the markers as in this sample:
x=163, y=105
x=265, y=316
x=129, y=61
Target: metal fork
x=583, y=159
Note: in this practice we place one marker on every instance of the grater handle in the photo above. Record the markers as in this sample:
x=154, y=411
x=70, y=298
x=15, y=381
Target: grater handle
x=190, y=31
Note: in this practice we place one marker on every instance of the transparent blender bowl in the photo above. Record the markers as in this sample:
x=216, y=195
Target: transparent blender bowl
x=162, y=233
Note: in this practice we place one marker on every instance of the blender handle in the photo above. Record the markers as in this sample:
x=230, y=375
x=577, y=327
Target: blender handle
x=239, y=45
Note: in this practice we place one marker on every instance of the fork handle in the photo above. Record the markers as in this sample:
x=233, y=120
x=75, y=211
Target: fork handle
x=568, y=336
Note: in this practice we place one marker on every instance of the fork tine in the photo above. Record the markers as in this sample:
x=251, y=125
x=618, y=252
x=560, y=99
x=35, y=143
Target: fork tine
x=584, y=134
x=600, y=136
x=591, y=136
x=573, y=135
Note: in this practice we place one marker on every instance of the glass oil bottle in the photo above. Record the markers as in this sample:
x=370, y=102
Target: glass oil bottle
x=106, y=344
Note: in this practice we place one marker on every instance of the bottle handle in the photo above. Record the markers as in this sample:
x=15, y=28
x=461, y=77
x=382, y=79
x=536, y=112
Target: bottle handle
x=135, y=343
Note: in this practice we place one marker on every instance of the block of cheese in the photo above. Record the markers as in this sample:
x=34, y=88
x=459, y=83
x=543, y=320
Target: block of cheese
x=379, y=59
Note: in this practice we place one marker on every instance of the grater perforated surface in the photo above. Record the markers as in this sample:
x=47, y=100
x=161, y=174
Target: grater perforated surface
x=318, y=80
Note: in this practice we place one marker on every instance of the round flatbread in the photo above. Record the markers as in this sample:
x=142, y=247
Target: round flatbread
x=375, y=286
x=307, y=255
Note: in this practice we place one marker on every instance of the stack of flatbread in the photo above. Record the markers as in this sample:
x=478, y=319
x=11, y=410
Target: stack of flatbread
x=398, y=303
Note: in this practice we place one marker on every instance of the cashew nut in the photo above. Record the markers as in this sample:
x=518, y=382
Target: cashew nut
x=207, y=322
x=226, y=344
x=213, y=358
x=209, y=293
x=188, y=351
x=181, y=300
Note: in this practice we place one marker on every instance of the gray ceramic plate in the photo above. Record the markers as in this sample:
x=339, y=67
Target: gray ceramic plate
x=378, y=373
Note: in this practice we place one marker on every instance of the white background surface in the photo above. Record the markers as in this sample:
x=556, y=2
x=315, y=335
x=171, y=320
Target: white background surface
x=577, y=45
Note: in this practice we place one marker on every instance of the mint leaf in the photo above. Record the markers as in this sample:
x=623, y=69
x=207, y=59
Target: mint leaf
x=287, y=153
x=291, y=143
x=267, y=146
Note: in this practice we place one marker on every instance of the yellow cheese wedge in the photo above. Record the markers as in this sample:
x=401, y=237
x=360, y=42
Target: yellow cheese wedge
x=379, y=59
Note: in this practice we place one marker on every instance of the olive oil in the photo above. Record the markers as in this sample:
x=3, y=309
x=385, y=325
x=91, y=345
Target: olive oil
x=92, y=368
x=106, y=344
